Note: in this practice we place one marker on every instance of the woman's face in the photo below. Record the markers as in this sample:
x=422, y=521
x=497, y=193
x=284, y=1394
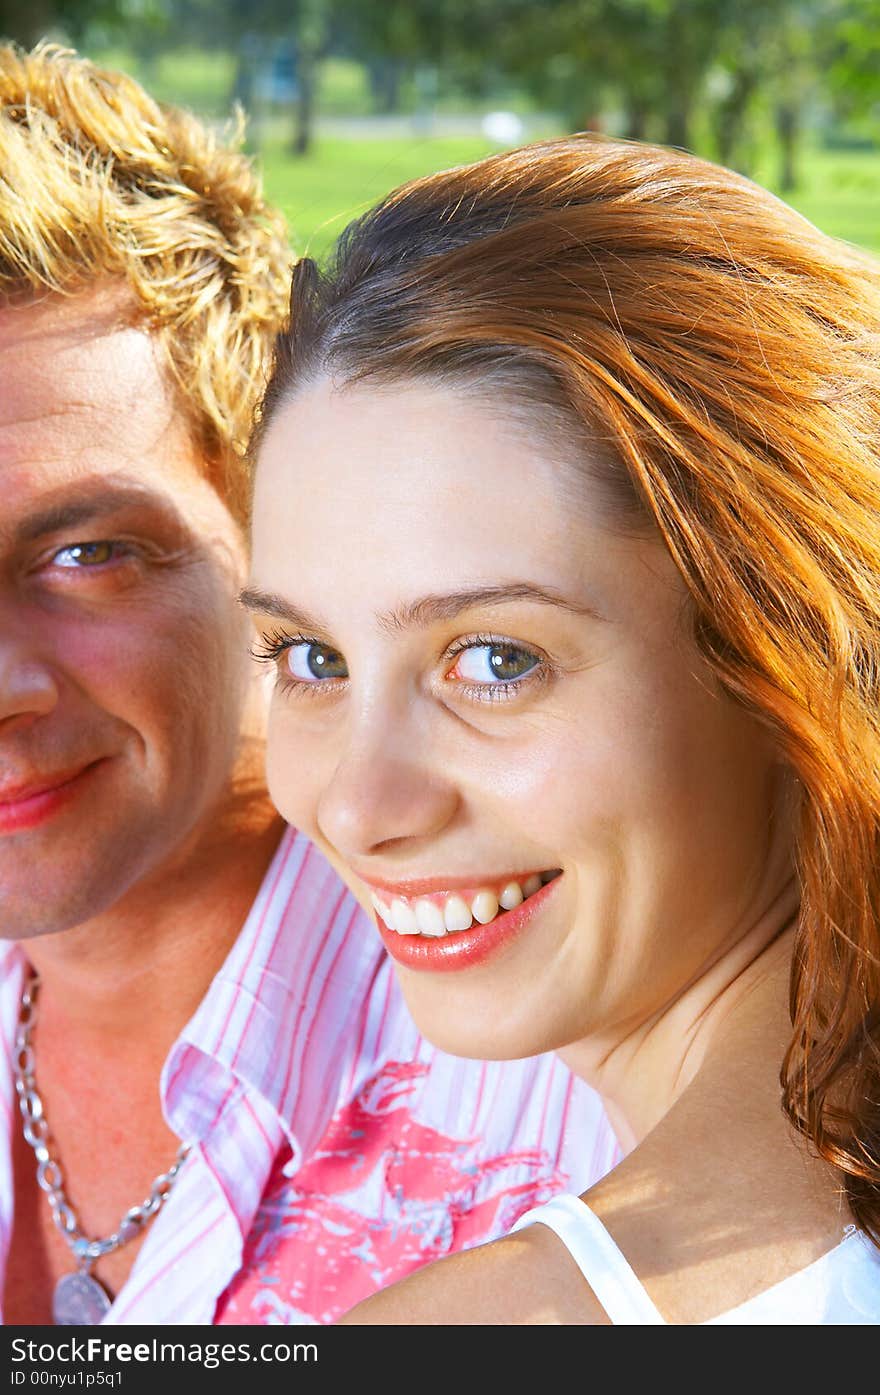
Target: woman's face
x=490, y=714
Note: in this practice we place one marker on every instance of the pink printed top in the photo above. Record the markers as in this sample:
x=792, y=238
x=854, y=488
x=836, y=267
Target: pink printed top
x=333, y=1149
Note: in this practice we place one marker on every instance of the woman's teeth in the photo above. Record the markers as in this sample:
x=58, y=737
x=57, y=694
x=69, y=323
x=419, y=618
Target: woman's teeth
x=424, y=916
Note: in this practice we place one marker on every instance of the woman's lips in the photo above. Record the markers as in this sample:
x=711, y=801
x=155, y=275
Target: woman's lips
x=440, y=951
x=30, y=806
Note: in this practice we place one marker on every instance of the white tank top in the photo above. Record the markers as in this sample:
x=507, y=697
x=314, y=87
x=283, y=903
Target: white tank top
x=842, y=1286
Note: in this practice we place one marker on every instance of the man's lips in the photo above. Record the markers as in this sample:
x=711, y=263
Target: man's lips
x=25, y=804
x=17, y=793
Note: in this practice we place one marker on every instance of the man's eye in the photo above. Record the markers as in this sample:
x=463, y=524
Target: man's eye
x=310, y=663
x=494, y=663
x=86, y=554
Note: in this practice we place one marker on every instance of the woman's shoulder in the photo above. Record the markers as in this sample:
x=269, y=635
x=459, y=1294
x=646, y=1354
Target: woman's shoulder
x=841, y=1287
x=527, y=1278
x=712, y=1218
x=703, y=1242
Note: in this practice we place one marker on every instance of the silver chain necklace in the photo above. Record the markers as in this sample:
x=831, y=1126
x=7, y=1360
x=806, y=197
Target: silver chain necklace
x=79, y=1298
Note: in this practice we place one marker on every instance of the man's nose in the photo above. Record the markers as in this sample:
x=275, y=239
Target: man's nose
x=28, y=687
x=384, y=793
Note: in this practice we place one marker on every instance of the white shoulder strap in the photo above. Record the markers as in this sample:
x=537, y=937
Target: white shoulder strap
x=605, y=1269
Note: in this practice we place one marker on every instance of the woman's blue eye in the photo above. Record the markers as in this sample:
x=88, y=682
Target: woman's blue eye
x=86, y=554
x=494, y=663
x=310, y=663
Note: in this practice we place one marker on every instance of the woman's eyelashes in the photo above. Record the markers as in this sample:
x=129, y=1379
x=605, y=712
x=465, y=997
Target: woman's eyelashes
x=482, y=668
x=491, y=668
x=302, y=661
x=311, y=662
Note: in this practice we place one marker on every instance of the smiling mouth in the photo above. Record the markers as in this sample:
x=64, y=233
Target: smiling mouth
x=449, y=913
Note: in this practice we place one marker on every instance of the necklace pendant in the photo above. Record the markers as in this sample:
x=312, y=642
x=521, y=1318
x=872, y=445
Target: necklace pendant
x=79, y=1301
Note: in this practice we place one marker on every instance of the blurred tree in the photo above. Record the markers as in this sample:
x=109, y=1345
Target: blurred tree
x=795, y=46
x=648, y=64
x=648, y=56
x=766, y=55
x=849, y=41
x=392, y=39
x=784, y=55
x=652, y=60
x=256, y=32
x=578, y=56
x=25, y=27
x=71, y=19
x=413, y=36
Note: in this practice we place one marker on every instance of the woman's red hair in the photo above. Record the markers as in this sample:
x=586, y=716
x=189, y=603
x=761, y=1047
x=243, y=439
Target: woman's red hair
x=728, y=352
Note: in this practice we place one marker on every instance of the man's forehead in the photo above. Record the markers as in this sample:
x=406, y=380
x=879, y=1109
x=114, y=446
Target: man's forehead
x=82, y=394
x=90, y=311
x=52, y=360
x=84, y=403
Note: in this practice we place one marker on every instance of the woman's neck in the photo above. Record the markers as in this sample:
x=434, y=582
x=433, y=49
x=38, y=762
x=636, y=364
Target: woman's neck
x=646, y=1067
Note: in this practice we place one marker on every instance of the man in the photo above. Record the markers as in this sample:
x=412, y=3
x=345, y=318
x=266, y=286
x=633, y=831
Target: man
x=217, y=1108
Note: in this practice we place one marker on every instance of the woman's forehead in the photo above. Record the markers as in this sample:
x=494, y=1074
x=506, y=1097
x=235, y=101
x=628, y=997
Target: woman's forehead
x=414, y=445
x=412, y=460
x=416, y=490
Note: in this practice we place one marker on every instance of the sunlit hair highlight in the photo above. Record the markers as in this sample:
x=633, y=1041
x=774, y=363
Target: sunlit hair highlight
x=729, y=353
x=99, y=182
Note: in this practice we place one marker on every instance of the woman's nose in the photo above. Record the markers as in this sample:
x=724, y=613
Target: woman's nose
x=381, y=795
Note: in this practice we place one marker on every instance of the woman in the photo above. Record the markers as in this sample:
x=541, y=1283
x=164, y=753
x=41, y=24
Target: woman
x=567, y=558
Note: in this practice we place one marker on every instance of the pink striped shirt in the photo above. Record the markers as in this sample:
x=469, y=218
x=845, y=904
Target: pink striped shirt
x=333, y=1149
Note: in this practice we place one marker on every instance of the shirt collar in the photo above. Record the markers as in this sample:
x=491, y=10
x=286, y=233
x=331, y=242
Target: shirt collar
x=271, y=1023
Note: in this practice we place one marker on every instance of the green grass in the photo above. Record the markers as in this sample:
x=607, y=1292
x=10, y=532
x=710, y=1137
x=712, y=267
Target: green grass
x=839, y=191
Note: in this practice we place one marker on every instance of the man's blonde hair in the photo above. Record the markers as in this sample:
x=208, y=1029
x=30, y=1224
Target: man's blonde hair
x=98, y=182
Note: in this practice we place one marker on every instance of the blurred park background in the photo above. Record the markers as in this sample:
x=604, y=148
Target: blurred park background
x=345, y=99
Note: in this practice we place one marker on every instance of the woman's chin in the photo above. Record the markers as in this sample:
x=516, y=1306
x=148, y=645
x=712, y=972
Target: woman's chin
x=481, y=1028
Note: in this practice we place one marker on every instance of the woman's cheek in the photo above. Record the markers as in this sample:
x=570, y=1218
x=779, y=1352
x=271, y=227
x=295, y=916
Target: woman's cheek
x=293, y=769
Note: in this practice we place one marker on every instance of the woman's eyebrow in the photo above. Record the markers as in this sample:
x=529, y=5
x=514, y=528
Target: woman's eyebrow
x=429, y=610
x=270, y=603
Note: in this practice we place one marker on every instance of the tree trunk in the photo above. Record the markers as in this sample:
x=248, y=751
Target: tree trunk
x=384, y=77
x=787, y=130
x=636, y=121
x=731, y=115
x=304, y=106
x=677, y=76
x=678, y=120
x=243, y=84
x=26, y=23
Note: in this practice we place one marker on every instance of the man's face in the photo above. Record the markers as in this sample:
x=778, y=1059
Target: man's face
x=122, y=648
